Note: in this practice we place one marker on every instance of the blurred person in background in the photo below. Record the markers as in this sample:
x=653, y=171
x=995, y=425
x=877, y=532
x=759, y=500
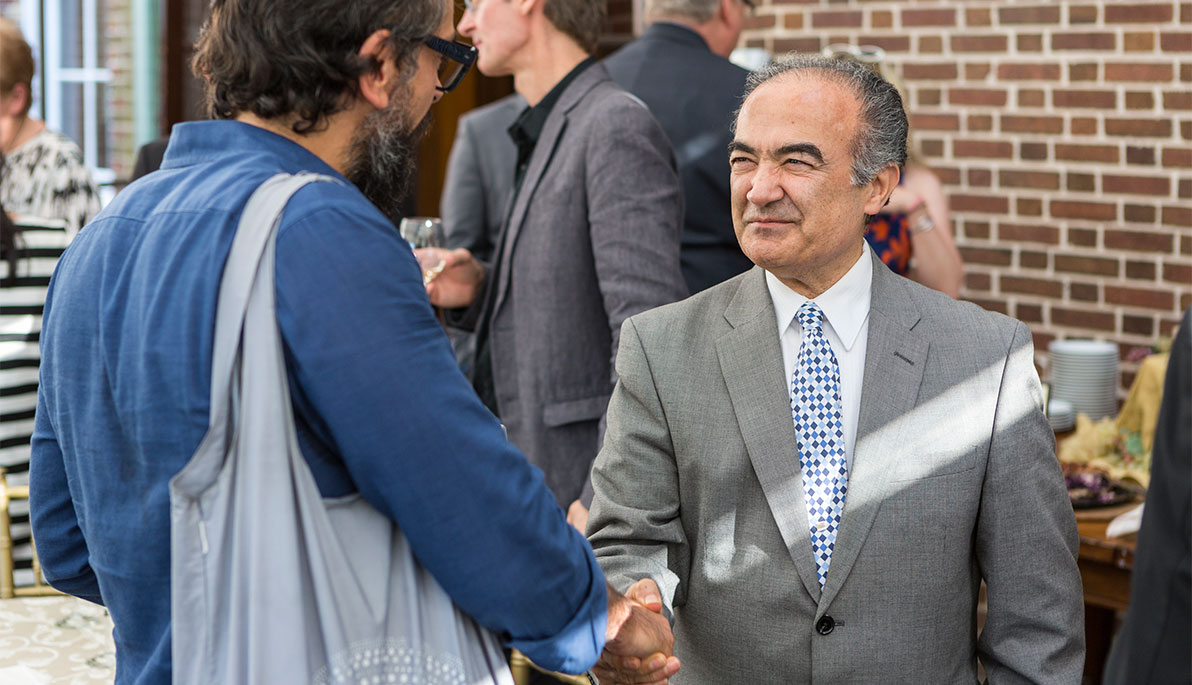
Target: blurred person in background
x=149, y=157
x=1152, y=646
x=913, y=233
x=379, y=405
x=46, y=177
x=477, y=191
x=479, y=181
x=679, y=67
x=29, y=250
x=591, y=237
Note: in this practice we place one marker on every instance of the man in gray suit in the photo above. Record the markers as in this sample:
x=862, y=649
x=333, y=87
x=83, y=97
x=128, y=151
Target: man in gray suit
x=592, y=235
x=679, y=68
x=816, y=463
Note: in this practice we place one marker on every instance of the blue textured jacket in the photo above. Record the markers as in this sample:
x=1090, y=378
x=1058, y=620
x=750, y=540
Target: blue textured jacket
x=379, y=402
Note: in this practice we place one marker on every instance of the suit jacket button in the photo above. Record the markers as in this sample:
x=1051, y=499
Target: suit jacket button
x=825, y=625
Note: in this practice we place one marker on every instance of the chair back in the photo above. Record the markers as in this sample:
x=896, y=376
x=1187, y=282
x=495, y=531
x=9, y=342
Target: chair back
x=521, y=666
x=8, y=588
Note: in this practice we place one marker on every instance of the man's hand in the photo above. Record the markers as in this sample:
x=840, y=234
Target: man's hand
x=459, y=282
x=577, y=516
x=639, y=644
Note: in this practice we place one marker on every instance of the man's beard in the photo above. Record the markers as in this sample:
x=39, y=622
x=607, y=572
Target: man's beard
x=384, y=154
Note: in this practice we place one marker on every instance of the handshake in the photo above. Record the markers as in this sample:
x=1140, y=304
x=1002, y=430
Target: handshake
x=639, y=641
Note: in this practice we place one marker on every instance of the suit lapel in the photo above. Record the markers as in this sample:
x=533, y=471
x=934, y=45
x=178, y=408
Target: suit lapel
x=894, y=360
x=751, y=361
x=540, y=160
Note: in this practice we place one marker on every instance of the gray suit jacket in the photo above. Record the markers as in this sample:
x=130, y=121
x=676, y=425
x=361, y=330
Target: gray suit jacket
x=480, y=177
x=953, y=480
x=592, y=238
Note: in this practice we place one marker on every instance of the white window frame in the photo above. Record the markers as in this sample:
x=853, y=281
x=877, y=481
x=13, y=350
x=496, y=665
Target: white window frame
x=54, y=75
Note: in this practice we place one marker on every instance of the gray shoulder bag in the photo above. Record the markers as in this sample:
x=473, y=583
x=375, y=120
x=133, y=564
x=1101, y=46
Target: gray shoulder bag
x=270, y=583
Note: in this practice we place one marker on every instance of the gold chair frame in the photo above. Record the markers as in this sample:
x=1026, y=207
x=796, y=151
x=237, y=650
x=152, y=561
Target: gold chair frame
x=8, y=588
x=520, y=666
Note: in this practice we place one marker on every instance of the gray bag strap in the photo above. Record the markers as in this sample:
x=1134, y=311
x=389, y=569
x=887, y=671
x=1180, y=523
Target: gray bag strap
x=270, y=582
x=252, y=250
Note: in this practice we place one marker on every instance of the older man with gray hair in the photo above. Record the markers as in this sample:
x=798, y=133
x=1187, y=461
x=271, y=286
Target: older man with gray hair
x=679, y=68
x=813, y=466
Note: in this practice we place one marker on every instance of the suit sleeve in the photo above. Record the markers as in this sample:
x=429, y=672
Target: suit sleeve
x=379, y=377
x=634, y=525
x=635, y=213
x=635, y=216
x=1026, y=540
x=463, y=203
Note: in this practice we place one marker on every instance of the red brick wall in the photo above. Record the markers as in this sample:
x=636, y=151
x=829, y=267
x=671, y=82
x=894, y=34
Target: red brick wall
x=1061, y=131
x=115, y=18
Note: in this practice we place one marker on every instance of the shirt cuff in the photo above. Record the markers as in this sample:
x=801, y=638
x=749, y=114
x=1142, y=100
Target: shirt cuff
x=577, y=646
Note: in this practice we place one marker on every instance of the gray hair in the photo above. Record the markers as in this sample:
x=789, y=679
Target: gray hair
x=881, y=138
x=698, y=11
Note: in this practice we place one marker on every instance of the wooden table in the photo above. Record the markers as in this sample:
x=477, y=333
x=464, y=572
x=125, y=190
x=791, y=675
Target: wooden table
x=1105, y=566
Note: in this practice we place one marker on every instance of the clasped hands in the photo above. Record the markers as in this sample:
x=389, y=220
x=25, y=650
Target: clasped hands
x=639, y=644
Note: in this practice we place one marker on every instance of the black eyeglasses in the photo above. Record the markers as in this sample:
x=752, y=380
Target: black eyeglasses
x=456, y=59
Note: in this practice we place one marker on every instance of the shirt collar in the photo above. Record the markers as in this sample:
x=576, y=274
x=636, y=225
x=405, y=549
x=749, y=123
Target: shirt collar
x=675, y=32
x=529, y=124
x=845, y=304
x=194, y=142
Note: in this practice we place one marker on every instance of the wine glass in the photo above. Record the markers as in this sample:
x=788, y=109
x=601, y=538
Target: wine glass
x=422, y=232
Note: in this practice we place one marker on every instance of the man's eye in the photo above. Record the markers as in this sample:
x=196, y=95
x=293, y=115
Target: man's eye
x=739, y=161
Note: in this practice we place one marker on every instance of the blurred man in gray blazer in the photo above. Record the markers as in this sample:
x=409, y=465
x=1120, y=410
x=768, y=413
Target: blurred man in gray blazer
x=679, y=68
x=816, y=463
x=592, y=235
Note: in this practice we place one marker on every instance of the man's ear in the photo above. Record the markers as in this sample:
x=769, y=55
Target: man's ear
x=527, y=7
x=14, y=102
x=725, y=11
x=377, y=82
x=881, y=187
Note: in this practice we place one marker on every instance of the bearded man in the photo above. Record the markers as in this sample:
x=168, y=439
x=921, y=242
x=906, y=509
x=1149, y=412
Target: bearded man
x=338, y=89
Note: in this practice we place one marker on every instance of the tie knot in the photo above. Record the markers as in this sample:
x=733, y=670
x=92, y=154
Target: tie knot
x=810, y=315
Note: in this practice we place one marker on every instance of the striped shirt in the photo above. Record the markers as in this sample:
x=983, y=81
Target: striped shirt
x=39, y=244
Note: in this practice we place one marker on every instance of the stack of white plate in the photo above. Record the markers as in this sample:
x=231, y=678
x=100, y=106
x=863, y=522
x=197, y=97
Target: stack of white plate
x=1060, y=415
x=1085, y=373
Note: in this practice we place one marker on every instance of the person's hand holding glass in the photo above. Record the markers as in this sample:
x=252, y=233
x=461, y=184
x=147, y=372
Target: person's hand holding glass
x=462, y=275
x=425, y=236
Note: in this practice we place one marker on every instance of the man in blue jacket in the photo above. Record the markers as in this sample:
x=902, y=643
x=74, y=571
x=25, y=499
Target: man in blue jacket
x=379, y=404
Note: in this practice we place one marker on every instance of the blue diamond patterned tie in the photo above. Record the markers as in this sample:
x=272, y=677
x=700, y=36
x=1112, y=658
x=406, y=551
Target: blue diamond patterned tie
x=815, y=407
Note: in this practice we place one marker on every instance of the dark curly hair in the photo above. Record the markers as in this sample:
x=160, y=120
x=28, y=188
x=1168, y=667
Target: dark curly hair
x=277, y=58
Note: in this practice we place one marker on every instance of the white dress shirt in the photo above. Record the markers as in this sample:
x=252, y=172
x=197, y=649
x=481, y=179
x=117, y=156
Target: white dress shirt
x=846, y=326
